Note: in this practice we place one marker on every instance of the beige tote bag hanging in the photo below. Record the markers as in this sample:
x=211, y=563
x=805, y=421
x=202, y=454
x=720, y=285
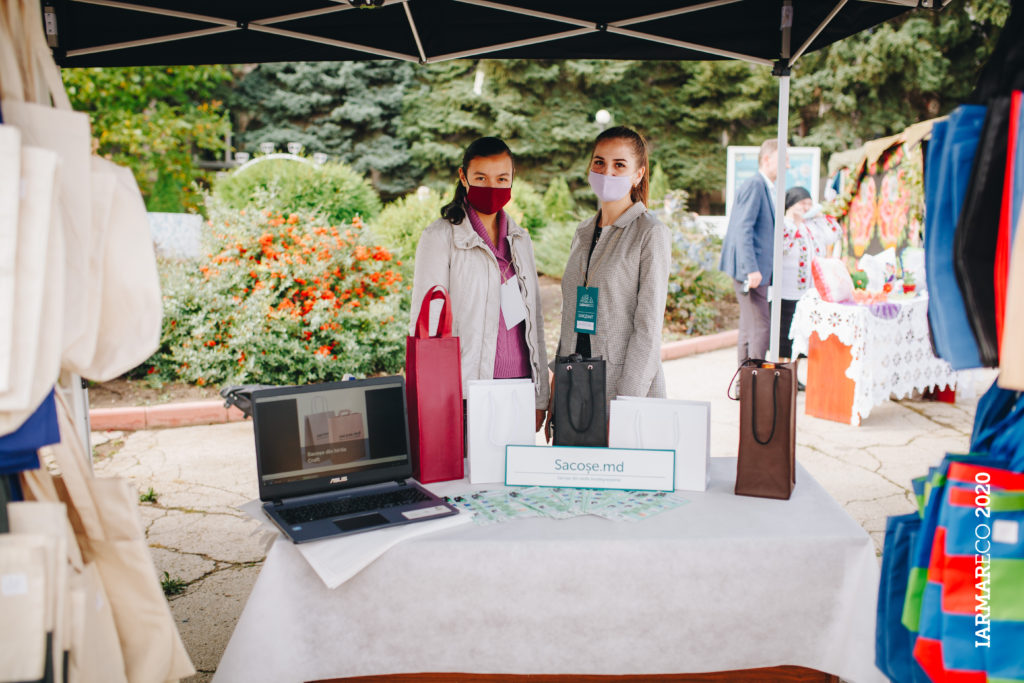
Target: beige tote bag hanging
x=49, y=521
x=39, y=293
x=1011, y=348
x=23, y=604
x=68, y=134
x=10, y=184
x=105, y=514
x=130, y=304
x=86, y=628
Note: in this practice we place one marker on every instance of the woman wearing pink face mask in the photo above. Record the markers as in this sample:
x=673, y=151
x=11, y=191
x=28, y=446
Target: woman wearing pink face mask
x=620, y=258
x=485, y=261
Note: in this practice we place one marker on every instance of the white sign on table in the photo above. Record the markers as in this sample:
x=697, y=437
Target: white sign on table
x=627, y=469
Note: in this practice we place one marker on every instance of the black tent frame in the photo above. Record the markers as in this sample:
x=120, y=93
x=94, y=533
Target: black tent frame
x=119, y=32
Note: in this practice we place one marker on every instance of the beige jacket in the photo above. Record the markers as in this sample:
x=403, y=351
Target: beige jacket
x=630, y=268
x=455, y=257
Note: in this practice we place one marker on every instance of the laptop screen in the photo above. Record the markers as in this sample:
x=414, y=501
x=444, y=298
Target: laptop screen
x=321, y=437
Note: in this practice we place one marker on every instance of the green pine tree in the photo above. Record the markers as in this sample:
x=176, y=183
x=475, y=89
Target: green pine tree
x=558, y=202
x=349, y=110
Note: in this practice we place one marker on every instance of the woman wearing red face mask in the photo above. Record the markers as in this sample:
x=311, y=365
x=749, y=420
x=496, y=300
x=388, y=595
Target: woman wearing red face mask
x=485, y=261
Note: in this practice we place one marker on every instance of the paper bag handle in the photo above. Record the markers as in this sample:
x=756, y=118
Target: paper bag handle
x=444, y=324
x=753, y=407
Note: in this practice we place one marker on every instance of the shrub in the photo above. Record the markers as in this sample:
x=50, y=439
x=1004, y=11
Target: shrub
x=401, y=223
x=527, y=206
x=559, y=205
x=659, y=185
x=551, y=248
x=284, y=185
x=694, y=281
x=282, y=301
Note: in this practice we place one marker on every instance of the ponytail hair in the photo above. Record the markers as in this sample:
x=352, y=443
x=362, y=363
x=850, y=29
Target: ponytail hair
x=640, y=193
x=455, y=211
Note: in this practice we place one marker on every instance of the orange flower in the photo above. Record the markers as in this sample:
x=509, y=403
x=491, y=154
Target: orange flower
x=324, y=350
x=361, y=253
x=211, y=343
x=293, y=219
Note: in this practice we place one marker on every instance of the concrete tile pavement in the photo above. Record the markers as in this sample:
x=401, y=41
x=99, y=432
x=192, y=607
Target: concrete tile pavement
x=200, y=474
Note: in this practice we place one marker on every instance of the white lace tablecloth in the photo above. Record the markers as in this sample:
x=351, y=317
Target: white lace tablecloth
x=891, y=357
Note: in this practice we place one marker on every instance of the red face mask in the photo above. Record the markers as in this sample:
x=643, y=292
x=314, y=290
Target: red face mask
x=488, y=200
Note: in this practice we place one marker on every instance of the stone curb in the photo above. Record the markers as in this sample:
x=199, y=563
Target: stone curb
x=165, y=415
x=213, y=412
x=689, y=347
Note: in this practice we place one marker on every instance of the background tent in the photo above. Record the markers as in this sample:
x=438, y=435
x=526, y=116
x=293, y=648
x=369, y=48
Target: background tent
x=771, y=33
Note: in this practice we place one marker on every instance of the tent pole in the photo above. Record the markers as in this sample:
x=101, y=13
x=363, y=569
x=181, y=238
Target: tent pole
x=782, y=71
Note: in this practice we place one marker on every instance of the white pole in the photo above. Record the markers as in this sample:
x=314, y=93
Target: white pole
x=780, y=187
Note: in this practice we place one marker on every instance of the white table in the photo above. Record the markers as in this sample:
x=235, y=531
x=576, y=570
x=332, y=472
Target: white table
x=722, y=583
x=883, y=356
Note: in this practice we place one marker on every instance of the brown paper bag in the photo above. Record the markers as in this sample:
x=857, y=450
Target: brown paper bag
x=766, y=466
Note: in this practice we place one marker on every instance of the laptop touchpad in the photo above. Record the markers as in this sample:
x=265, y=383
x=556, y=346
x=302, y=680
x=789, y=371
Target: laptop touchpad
x=361, y=522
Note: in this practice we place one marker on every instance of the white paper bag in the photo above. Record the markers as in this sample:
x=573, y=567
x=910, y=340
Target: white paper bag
x=659, y=423
x=499, y=412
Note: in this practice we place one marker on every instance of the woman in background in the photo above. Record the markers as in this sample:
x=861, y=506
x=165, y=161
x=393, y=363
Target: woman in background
x=806, y=235
x=485, y=261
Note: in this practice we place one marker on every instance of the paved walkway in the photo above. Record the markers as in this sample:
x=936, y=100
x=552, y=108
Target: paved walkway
x=201, y=474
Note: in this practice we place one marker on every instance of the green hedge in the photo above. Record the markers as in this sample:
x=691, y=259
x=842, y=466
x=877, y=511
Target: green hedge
x=332, y=190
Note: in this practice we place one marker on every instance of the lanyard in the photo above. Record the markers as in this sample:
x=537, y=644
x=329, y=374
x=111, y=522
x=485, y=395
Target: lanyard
x=592, y=266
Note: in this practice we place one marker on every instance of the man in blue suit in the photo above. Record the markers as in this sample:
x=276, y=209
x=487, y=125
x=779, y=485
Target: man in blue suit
x=748, y=249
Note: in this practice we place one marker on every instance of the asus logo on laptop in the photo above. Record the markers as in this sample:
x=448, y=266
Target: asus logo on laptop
x=339, y=480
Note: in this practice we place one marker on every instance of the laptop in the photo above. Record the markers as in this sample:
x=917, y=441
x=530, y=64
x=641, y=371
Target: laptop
x=334, y=459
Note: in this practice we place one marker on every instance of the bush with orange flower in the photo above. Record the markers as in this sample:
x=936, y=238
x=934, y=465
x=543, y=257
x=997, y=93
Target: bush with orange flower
x=282, y=299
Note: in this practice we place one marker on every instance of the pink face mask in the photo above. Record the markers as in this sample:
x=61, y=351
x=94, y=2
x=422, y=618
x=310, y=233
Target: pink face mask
x=488, y=200
x=610, y=188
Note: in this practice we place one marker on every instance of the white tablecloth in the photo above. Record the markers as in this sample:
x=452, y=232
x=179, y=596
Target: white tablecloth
x=724, y=582
x=890, y=356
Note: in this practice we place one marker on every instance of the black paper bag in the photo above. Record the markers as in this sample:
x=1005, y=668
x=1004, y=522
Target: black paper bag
x=580, y=408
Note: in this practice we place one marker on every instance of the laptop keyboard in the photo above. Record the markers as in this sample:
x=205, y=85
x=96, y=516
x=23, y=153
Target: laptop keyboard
x=355, y=504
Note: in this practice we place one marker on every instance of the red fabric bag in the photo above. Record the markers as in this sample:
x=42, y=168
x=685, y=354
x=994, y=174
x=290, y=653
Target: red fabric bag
x=433, y=376
x=1007, y=221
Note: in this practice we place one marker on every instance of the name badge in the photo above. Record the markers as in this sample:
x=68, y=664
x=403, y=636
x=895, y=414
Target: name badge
x=513, y=310
x=586, y=310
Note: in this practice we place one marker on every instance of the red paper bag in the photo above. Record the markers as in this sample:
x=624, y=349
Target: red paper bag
x=433, y=375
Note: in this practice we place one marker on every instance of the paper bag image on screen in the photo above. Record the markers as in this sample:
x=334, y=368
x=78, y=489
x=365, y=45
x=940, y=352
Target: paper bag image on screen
x=345, y=426
x=318, y=430
x=332, y=437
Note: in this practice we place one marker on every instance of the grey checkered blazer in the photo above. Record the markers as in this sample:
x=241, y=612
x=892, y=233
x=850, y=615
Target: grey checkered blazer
x=632, y=281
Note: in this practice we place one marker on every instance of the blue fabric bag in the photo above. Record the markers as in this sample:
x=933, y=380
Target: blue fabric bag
x=894, y=643
x=18, y=449
x=948, y=169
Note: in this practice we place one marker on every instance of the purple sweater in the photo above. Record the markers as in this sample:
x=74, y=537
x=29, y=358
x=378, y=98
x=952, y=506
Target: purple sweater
x=512, y=356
